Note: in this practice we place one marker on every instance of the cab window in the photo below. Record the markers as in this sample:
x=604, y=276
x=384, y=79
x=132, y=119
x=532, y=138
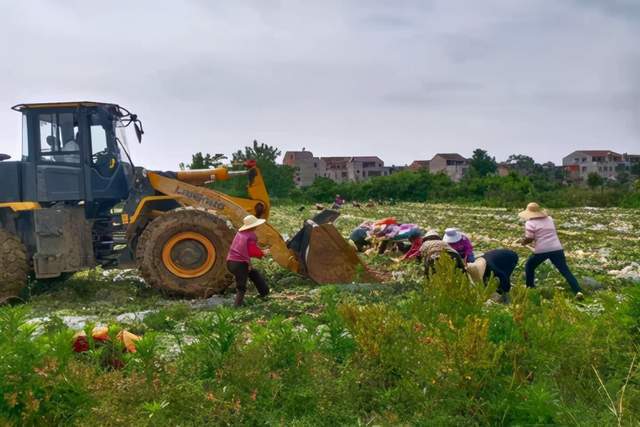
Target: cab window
x=98, y=139
x=59, y=138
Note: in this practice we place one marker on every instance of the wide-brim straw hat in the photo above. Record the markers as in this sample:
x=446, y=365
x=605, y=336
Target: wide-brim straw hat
x=250, y=222
x=476, y=269
x=533, y=210
x=452, y=235
x=431, y=235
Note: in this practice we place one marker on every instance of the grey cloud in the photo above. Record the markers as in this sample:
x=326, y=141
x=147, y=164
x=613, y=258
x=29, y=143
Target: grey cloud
x=387, y=22
x=401, y=79
x=461, y=47
x=626, y=9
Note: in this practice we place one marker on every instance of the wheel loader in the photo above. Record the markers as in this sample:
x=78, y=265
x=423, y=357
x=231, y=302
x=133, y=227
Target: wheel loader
x=75, y=201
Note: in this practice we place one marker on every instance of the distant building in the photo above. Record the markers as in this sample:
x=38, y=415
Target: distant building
x=307, y=166
x=360, y=168
x=579, y=164
x=504, y=169
x=338, y=169
x=335, y=168
x=452, y=164
x=631, y=159
x=417, y=165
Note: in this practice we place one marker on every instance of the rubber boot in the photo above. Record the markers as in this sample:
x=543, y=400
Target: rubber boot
x=239, y=302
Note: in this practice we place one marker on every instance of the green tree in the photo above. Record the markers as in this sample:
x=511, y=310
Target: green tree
x=204, y=161
x=259, y=152
x=483, y=164
x=623, y=177
x=635, y=169
x=594, y=180
x=278, y=178
x=323, y=189
x=522, y=164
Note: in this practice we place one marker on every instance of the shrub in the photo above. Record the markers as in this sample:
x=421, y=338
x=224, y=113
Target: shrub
x=36, y=387
x=513, y=190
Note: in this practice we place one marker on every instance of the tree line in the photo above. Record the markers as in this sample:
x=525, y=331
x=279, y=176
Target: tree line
x=526, y=181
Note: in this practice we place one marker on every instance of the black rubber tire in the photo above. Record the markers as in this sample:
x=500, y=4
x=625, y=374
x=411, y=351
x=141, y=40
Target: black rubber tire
x=150, y=244
x=14, y=266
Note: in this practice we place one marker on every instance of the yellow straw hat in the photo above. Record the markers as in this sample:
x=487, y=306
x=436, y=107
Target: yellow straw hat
x=476, y=269
x=250, y=222
x=533, y=211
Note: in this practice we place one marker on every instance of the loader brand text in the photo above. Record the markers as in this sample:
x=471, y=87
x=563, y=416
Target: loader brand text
x=201, y=199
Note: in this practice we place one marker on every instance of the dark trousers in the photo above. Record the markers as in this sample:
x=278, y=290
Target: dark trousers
x=500, y=263
x=241, y=271
x=559, y=261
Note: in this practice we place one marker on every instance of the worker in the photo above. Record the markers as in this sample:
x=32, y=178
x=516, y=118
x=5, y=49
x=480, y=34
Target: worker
x=540, y=229
x=360, y=236
x=431, y=250
x=244, y=247
x=383, y=231
x=460, y=242
x=498, y=263
x=52, y=141
x=417, y=242
x=71, y=146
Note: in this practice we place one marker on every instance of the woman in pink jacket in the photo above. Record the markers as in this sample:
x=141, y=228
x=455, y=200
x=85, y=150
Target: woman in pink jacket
x=540, y=229
x=243, y=248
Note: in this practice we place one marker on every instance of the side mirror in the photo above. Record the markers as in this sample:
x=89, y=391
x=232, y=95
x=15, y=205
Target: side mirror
x=139, y=132
x=4, y=157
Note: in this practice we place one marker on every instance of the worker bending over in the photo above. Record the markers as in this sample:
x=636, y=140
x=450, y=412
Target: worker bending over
x=498, y=263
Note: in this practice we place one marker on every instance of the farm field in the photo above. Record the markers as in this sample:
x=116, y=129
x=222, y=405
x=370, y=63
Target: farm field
x=409, y=351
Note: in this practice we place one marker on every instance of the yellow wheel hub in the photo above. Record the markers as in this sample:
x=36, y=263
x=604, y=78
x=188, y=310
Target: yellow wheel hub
x=188, y=255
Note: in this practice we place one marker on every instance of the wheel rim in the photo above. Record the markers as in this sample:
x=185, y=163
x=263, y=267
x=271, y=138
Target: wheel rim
x=188, y=255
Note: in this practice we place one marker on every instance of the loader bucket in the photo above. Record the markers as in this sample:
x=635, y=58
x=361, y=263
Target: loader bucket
x=326, y=256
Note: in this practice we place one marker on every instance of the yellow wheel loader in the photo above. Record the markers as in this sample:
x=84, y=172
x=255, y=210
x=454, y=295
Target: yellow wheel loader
x=75, y=201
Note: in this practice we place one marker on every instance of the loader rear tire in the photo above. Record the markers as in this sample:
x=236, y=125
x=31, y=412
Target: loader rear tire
x=14, y=266
x=184, y=251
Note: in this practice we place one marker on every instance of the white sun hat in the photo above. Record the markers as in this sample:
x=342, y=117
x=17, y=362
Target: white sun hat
x=250, y=222
x=452, y=235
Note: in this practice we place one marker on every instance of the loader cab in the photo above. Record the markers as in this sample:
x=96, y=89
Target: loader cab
x=71, y=152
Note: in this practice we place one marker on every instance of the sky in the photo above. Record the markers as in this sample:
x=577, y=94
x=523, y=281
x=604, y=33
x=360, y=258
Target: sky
x=399, y=79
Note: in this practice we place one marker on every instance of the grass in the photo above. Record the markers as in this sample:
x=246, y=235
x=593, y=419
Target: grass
x=410, y=351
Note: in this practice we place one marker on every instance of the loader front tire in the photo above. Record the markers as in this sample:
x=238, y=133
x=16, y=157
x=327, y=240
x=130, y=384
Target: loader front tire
x=14, y=266
x=184, y=251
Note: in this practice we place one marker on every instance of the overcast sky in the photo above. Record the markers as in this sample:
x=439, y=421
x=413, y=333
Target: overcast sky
x=398, y=79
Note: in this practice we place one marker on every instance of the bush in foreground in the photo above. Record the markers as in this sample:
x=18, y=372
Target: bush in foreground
x=437, y=355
